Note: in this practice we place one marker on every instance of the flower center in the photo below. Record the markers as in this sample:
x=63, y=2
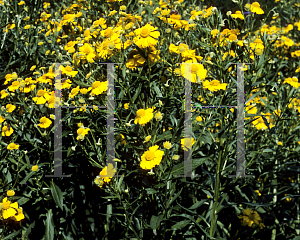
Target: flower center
x=107, y=32
x=177, y=71
x=145, y=32
x=6, y=205
x=214, y=83
x=150, y=156
x=140, y=113
x=111, y=45
x=181, y=49
x=194, y=69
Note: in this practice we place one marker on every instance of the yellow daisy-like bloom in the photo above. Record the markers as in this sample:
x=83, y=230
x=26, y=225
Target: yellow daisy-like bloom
x=34, y=168
x=126, y=105
x=257, y=192
x=292, y=81
x=99, y=87
x=249, y=217
x=8, y=209
x=175, y=157
x=214, y=85
x=280, y=143
x=238, y=14
x=199, y=119
x=151, y=158
x=146, y=36
x=81, y=133
x=143, y=116
x=10, y=108
x=2, y=119
x=214, y=32
x=10, y=193
x=186, y=143
x=192, y=70
x=167, y=145
x=255, y=7
x=147, y=139
x=7, y=131
x=158, y=116
x=19, y=215
x=45, y=122
x=12, y=146
x=105, y=175
x=21, y=3
x=4, y=94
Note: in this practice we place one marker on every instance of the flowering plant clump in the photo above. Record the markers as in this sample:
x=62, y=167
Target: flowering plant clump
x=149, y=119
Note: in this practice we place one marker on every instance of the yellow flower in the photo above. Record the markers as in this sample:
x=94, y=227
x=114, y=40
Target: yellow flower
x=192, y=71
x=126, y=105
x=10, y=108
x=146, y=36
x=8, y=209
x=21, y=3
x=144, y=116
x=175, y=157
x=105, y=175
x=255, y=7
x=19, y=215
x=27, y=27
x=151, y=158
x=12, y=146
x=249, y=217
x=7, y=131
x=257, y=192
x=280, y=143
x=287, y=199
x=158, y=116
x=186, y=143
x=167, y=145
x=292, y=81
x=214, y=85
x=99, y=87
x=198, y=119
x=34, y=168
x=81, y=133
x=238, y=14
x=10, y=193
x=44, y=122
x=147, y=139
x=33, y=67
x=247, y=7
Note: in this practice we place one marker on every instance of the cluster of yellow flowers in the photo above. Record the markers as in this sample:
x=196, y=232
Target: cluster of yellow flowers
x=11, y=210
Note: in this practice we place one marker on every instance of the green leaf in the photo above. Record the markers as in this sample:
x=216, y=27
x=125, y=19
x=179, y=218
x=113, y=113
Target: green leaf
x=180, y=224
x=23, y=200
x=167, y=135
x=28, y=231
x=82, y=84
x=174, y=198
x=198, y=204
x=155, y=221
x=256, y=204
x=27, y=177
x=137, y=92
x=57, y=195
x=12, y=235
x=179, y=168
x=150, y=191
x=8, y=177
x=156, y=89
x=49, y=234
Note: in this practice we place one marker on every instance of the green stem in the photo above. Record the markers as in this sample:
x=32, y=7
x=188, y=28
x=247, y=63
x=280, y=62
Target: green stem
x=216, y=195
